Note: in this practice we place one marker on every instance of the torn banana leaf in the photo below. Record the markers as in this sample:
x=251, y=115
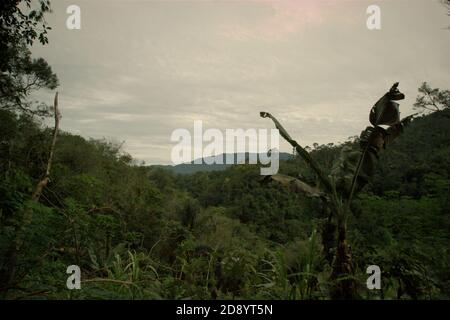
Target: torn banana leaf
x=386, y=111
x=300, y=150
x=278, y=125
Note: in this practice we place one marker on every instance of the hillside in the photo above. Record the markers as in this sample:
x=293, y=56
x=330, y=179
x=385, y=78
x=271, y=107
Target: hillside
x=193, y=167
x=147, y=232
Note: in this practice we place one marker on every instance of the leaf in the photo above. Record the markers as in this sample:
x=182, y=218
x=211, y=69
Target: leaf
x=278, y=125
x=386, y=111
x=300, y=150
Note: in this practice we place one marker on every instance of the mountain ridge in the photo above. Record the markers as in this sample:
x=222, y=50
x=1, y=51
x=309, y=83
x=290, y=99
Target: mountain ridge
x=192, y=167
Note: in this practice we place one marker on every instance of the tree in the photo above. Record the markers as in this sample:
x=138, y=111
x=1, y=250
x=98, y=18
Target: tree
x=18, y=26
x=348, y=176
x=431, y=99
x=21, y=23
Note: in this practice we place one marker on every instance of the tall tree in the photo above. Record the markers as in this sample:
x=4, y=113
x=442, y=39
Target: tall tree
x=21, y=23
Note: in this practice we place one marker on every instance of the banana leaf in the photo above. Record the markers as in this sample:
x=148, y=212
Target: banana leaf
x=386, y=111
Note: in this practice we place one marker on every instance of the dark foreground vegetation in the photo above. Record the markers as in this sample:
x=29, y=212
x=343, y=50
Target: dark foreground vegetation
x=142, y=232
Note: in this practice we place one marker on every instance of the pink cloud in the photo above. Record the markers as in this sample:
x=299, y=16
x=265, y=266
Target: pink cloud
x=288, y=17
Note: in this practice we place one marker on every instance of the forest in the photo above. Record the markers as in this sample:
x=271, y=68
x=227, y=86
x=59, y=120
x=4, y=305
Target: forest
x=145, y=232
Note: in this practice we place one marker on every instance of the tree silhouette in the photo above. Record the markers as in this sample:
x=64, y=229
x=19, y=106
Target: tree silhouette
x=431, y=99
x=350, y=173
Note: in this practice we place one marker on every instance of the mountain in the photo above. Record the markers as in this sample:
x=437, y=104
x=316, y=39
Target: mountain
x=193, y=167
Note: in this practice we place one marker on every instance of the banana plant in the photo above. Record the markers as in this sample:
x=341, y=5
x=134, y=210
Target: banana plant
x=349, y=174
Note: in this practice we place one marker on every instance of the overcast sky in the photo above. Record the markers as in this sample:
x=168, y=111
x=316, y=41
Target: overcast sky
x=137, y=70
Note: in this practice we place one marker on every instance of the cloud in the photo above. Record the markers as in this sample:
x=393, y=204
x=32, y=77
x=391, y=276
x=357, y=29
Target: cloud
x=138, y=70
x=285, y=18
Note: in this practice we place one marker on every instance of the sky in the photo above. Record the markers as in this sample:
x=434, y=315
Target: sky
x=139, y=69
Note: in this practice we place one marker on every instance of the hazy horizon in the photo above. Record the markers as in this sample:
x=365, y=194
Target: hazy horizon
x=137, y=70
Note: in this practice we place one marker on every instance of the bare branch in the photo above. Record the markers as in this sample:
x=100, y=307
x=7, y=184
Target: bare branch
x=43, y=183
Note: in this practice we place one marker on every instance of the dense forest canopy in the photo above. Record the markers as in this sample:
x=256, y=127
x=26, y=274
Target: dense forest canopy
x=145, y=232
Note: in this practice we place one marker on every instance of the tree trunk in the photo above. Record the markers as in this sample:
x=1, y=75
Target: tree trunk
x=342, y=276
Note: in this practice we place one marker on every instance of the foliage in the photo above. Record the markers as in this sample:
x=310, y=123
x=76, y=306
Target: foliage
x=145, y=233
x=141, y=232
x=21, y=23
x=432, y=99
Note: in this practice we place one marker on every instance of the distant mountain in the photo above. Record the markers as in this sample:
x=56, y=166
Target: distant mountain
x=188, y=168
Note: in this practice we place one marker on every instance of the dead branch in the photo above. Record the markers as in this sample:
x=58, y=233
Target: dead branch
x=43, y=183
